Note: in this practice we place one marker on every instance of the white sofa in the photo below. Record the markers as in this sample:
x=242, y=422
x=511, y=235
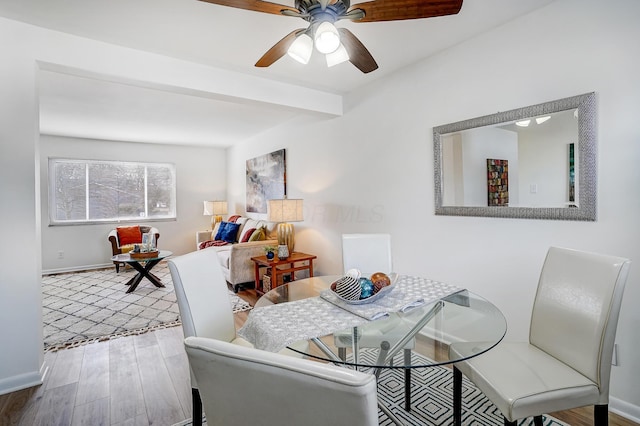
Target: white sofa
x=235, y=259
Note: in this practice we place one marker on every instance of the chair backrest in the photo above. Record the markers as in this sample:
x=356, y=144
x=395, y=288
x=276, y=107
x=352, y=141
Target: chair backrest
x=241, y=386
x=367, y=252
x=202, y=294
x=576, y=308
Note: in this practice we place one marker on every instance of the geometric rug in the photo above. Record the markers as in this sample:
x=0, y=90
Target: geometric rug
x=87, y=306
x=432, y=399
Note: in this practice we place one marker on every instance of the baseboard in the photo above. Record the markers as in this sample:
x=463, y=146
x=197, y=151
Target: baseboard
x=24, y=381
x=624, y=409
x=77, y=268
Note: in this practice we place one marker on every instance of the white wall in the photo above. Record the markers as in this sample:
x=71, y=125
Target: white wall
x=200, y=175
x=479, y=145
x=21, y=356
x=371, y=170
x=25, y=49
x=545, y=148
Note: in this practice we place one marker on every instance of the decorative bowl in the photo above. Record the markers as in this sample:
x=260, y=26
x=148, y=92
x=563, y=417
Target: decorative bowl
x=393, y=277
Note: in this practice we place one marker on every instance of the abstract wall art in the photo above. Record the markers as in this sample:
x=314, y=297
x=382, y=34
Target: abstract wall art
x=497, y=182
x=266, y=180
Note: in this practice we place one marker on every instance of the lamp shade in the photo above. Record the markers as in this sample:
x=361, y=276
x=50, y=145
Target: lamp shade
x=285, y=210
x=213, y=208
x=339, y=56
x=301, y=49
x=327, y=38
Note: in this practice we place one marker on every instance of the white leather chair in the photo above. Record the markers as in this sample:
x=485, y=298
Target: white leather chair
x=372, y=253
x=367, y=252
x=204, y=305
x=567, y=361
x=247, y=386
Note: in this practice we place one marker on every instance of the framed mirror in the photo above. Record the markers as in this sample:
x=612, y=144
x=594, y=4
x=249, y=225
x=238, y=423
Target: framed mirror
x=536, y=162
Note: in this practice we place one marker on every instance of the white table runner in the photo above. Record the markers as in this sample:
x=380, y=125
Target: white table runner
x=274, y=327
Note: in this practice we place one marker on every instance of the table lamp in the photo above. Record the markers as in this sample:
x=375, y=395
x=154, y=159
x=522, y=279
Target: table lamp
x=284, y=211
x=215, y=209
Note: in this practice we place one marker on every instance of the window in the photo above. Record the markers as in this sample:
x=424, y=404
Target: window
x=82, y=191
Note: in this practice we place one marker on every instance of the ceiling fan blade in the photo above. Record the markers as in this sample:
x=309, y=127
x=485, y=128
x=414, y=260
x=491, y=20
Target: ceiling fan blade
x=279, y=49
x=358, y=54
x=255, y=5
x=397, y=10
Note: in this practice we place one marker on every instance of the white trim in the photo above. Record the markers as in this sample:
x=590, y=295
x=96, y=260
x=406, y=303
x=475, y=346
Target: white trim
x=77, y=268
x=23, y=381
x=624, y=409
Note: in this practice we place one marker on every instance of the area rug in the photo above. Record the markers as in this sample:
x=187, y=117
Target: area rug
x=83, y=307
x=432, y=399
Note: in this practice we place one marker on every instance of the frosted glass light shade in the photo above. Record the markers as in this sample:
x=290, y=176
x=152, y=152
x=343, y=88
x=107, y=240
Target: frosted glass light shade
x=327, y=38
x=541, y=120
x=301, y=49
x=523, y=123
x=339, y=56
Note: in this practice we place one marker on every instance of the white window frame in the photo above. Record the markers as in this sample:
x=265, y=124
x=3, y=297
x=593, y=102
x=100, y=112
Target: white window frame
x=54, y=221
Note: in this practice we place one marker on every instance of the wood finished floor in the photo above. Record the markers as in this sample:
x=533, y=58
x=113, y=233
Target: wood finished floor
x=135, y=381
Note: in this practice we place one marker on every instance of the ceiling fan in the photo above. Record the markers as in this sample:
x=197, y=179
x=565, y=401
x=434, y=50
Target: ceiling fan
x=338, y=44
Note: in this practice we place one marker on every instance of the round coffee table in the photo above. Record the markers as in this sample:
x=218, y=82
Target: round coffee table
x=143, y=266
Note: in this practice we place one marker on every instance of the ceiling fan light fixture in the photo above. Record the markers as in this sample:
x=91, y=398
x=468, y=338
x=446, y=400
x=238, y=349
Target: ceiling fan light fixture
x=327, y=38
x=339, y=56
x=301, y=49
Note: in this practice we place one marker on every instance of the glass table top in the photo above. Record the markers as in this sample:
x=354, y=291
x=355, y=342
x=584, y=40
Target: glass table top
x=457, y=327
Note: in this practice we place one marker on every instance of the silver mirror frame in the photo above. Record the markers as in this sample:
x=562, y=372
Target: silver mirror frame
x=587, y=166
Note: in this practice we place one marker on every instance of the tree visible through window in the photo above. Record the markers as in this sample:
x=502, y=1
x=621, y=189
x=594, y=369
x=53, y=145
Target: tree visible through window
x=107, y=191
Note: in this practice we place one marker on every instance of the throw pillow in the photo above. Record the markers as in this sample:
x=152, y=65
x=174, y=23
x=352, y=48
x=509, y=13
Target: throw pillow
x=247, y=235
x=205, y=244
x=228, y=232
x=258, y=235
x=233, y=218
x=129, y=235
x=215, y=230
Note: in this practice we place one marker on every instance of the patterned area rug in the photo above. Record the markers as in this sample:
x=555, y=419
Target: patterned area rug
x=432, y=399
x=83, y=307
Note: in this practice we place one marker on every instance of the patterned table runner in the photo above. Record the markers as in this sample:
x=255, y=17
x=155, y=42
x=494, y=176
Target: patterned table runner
x=274, y=327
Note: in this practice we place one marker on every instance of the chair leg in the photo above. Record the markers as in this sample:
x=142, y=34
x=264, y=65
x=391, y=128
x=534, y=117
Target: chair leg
x=601, y=415
x=196, y=417
x=342, y=353
x=537, y=420
x=407, y=380
x=457, y=397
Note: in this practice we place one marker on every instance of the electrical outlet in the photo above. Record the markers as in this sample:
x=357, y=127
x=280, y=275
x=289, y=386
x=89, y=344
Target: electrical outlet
x=60, y=254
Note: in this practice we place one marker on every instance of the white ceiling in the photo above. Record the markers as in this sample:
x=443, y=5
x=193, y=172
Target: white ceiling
x=226, y=38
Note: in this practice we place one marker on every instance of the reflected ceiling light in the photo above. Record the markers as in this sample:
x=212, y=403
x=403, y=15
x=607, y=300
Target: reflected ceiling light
x=327, y=38
x=339, y=56
x=523, y=123
x=301, y=49
x=541, y=120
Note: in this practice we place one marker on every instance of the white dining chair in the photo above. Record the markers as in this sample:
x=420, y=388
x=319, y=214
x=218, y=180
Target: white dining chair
x=567, y=361
x=204, y=305
x=247, y=386
x=371, y=253
x=367, y=252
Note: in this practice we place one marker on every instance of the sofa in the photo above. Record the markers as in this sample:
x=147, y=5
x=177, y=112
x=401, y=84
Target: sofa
x=235, y=255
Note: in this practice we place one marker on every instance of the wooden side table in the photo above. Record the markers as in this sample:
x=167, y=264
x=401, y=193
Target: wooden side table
x=304, y=260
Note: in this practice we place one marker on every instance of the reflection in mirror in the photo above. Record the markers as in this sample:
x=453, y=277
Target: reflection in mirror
x=533, y=162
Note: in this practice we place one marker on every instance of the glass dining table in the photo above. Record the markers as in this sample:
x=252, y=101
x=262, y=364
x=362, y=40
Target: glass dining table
x=444, y=330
